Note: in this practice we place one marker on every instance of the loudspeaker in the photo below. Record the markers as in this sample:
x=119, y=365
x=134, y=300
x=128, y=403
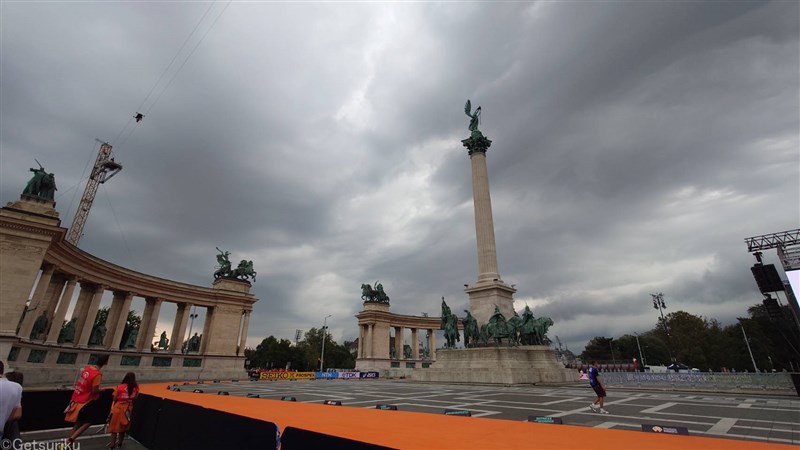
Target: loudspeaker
x=767, y=278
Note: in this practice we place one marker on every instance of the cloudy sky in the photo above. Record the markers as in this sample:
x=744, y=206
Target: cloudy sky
x=636, y=145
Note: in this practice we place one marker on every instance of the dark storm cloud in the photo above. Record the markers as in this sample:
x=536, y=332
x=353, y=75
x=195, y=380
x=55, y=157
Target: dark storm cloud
x=635, y=146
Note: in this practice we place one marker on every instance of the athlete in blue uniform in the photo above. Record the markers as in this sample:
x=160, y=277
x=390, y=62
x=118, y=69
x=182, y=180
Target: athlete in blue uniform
x=599, y=388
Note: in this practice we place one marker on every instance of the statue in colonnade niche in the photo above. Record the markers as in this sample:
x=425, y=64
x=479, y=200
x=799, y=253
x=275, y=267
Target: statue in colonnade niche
x=131, y=341
x=39, y=326
x=67, y=333
x=98, y=335
x=194, y=344
x=163, y=341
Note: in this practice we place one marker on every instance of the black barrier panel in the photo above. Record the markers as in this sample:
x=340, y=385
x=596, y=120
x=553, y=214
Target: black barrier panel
x=296, y=438
x=180, y=426
x=44, y=410
x=223, y=393
x=545, y=419
x=332, y=402
x=665, y=430
x=241, y=433
x=795, y=380
x=253, y=396
x=198, y=391
x=457, y=412
x=144, y=419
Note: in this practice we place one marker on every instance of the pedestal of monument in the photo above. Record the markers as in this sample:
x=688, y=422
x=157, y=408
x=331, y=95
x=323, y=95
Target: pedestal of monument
x=532, y=364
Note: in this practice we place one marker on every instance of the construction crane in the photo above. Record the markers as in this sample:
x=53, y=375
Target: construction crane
x=104, y=168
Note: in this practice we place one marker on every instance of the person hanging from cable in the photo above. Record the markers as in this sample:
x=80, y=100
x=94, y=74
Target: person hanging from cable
x=139, y=116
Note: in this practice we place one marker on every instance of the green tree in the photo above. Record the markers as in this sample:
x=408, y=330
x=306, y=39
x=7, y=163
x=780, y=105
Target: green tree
x=598, y=348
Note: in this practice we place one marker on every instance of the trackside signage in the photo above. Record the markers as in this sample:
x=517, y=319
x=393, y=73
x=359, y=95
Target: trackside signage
x=664, y=429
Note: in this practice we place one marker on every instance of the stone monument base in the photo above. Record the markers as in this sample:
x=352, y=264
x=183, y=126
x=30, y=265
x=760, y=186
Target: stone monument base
x=534, y=364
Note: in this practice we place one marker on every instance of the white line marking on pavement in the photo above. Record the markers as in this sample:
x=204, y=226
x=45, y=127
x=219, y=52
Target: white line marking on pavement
x=722, y=426
x=744, y=405
x=658, y=408
x=586, y=409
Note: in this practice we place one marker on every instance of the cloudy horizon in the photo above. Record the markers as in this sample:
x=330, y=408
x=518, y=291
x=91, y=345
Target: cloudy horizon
x=635, y=147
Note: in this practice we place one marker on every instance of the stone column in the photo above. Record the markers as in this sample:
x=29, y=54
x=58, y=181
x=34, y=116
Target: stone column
x=179, y=327
x=81, y=309
x=360, y=340
x=117, y=318
x=484, y=224
x=399, y=340
x=208, y=326
x=432, y=344
x=37, y=305
x=53, y=294
x=414, y=344
x=243, y=339
x=61, y=311
x=369, y=340
x=82, y=338
x=148, y=327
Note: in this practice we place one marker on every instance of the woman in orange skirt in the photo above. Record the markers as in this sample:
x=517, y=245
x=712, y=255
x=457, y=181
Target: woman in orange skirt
x=119, y=421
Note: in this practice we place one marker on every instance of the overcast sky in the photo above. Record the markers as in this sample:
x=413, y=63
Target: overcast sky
x=635, y=146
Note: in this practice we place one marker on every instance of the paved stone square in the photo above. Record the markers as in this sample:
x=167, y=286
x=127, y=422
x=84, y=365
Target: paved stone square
x=736, y=416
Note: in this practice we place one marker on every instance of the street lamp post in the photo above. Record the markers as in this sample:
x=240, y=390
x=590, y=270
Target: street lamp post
x=192, y=316
x=612, y=350
x=641, y=355
x=658, y=303
x=324, y=335
x=747, y=341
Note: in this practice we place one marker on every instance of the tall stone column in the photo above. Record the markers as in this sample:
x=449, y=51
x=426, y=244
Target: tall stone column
x=243, y=338
x=432, y=344
x=399, y=340
x=361, y=340
x=414, y=344
x=490, y=290
x=179, y=327
x=91, y=313
x=117, y=318
x=61, y=311
x=57, y=283
x=148, y=327
x=370, y=327
x=37, y=305
x=208, y=327
x=81, y=310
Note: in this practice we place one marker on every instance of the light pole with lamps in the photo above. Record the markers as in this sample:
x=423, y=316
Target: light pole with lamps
x=324, y=335
x=192, y=316
x=658, y=303
x=641, y=355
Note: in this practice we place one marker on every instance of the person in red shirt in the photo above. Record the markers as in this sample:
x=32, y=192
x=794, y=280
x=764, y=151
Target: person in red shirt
x=120, y=421
x=84, y=409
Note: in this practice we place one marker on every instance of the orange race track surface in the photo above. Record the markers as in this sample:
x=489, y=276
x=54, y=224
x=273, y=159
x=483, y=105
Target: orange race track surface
x=413, y=430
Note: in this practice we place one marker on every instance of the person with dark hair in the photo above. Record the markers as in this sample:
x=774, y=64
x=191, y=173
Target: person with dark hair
x=11, y=429
x=599, y=388
x=120, y=420
x=10, y=400
x=84, y=409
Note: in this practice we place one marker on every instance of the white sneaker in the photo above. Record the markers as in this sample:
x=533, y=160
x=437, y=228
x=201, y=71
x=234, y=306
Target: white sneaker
x=593, y=408
x=603, y=411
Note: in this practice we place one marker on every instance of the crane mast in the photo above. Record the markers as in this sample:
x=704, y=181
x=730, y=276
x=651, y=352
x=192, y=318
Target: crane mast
x=104, y=168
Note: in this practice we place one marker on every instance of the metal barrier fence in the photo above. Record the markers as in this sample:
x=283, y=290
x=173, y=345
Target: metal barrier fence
x=710, y=381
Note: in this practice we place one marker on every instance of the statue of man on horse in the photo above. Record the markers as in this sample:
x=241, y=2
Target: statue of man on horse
x=450, y=326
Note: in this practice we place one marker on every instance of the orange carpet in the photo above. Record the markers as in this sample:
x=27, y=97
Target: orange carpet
x=413, y=430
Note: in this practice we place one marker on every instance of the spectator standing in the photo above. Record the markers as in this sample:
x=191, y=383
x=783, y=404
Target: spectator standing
x=10, y=400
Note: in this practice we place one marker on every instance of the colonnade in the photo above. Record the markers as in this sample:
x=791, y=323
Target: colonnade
x=53, y=296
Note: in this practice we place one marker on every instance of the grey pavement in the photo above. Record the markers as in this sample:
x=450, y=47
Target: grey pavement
x=92, y=439
x=769, y=418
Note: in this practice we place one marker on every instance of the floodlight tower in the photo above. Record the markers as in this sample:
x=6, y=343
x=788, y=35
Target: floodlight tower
x=104, y=168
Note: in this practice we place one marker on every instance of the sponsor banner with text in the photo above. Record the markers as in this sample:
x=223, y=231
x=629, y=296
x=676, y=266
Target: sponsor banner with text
x=369, y=375
x=287, y=375
x=327, y=375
